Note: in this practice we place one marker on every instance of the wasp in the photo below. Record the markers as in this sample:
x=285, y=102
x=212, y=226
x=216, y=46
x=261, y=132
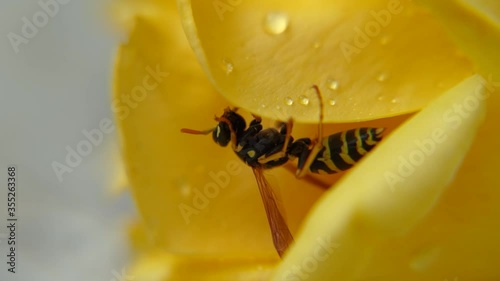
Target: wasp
x=268, y=148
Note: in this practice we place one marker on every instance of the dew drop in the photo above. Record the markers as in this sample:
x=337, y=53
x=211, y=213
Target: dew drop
x=382, y=77
x=184, y=187
x=288, y=101
x=228, y=65
x=276, y=22
x=333, y=84
x=263, y=105
x=394, y=100
x=332, y=102
x=303, y=100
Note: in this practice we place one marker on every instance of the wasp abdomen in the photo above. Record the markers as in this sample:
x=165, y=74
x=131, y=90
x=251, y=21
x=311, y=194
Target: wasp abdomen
x=342, y=150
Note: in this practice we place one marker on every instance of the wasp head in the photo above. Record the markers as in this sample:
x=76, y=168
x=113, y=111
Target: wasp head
x=229, y=122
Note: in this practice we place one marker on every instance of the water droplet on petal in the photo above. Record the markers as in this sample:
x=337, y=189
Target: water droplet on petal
x=394, y=100
x=303, y=100
x=228, y=65
x=333, y=84
x=184, y=187
x=288, y=101
x=332, y=102
x=382, y=77
x=276, y=22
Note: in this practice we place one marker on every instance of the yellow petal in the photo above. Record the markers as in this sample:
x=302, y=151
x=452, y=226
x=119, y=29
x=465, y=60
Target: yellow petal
x=389, y=194
x=475, y=26
x=161, y=266
x=171, y=173
x=264, y=56
x=164, y=168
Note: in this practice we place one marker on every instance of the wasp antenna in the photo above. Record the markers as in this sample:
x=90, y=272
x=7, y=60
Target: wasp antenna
x=321, y=112
x=196, y=132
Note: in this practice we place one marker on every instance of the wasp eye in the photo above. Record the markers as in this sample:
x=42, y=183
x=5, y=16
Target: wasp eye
x=222, y=134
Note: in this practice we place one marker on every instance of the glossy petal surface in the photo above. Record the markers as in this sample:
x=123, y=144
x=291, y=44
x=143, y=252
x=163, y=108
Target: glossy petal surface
x=422, y=230
x=371, y=58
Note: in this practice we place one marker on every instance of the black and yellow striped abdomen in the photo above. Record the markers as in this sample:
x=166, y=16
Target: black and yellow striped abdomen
x=342, y=150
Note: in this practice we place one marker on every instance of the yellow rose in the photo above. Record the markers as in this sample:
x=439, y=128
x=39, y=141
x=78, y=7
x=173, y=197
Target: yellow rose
x=424, y=205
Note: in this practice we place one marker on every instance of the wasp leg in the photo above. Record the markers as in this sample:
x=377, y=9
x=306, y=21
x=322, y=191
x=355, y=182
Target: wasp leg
x=254, y=128
x=308, y=178
x=257, y=118
x=317, y=143
x=271, y=157
x=283, y=152
x=302, y=171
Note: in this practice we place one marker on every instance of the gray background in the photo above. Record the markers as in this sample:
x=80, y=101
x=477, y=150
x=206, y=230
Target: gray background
x=57, y=85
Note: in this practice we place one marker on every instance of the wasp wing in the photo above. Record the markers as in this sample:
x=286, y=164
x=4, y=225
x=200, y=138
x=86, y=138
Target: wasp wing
x=282, y=238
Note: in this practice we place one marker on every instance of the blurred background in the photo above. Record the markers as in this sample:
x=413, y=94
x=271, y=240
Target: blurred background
x=56, y=61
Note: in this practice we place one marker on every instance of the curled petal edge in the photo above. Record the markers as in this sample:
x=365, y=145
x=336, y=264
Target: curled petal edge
x=393, y=188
